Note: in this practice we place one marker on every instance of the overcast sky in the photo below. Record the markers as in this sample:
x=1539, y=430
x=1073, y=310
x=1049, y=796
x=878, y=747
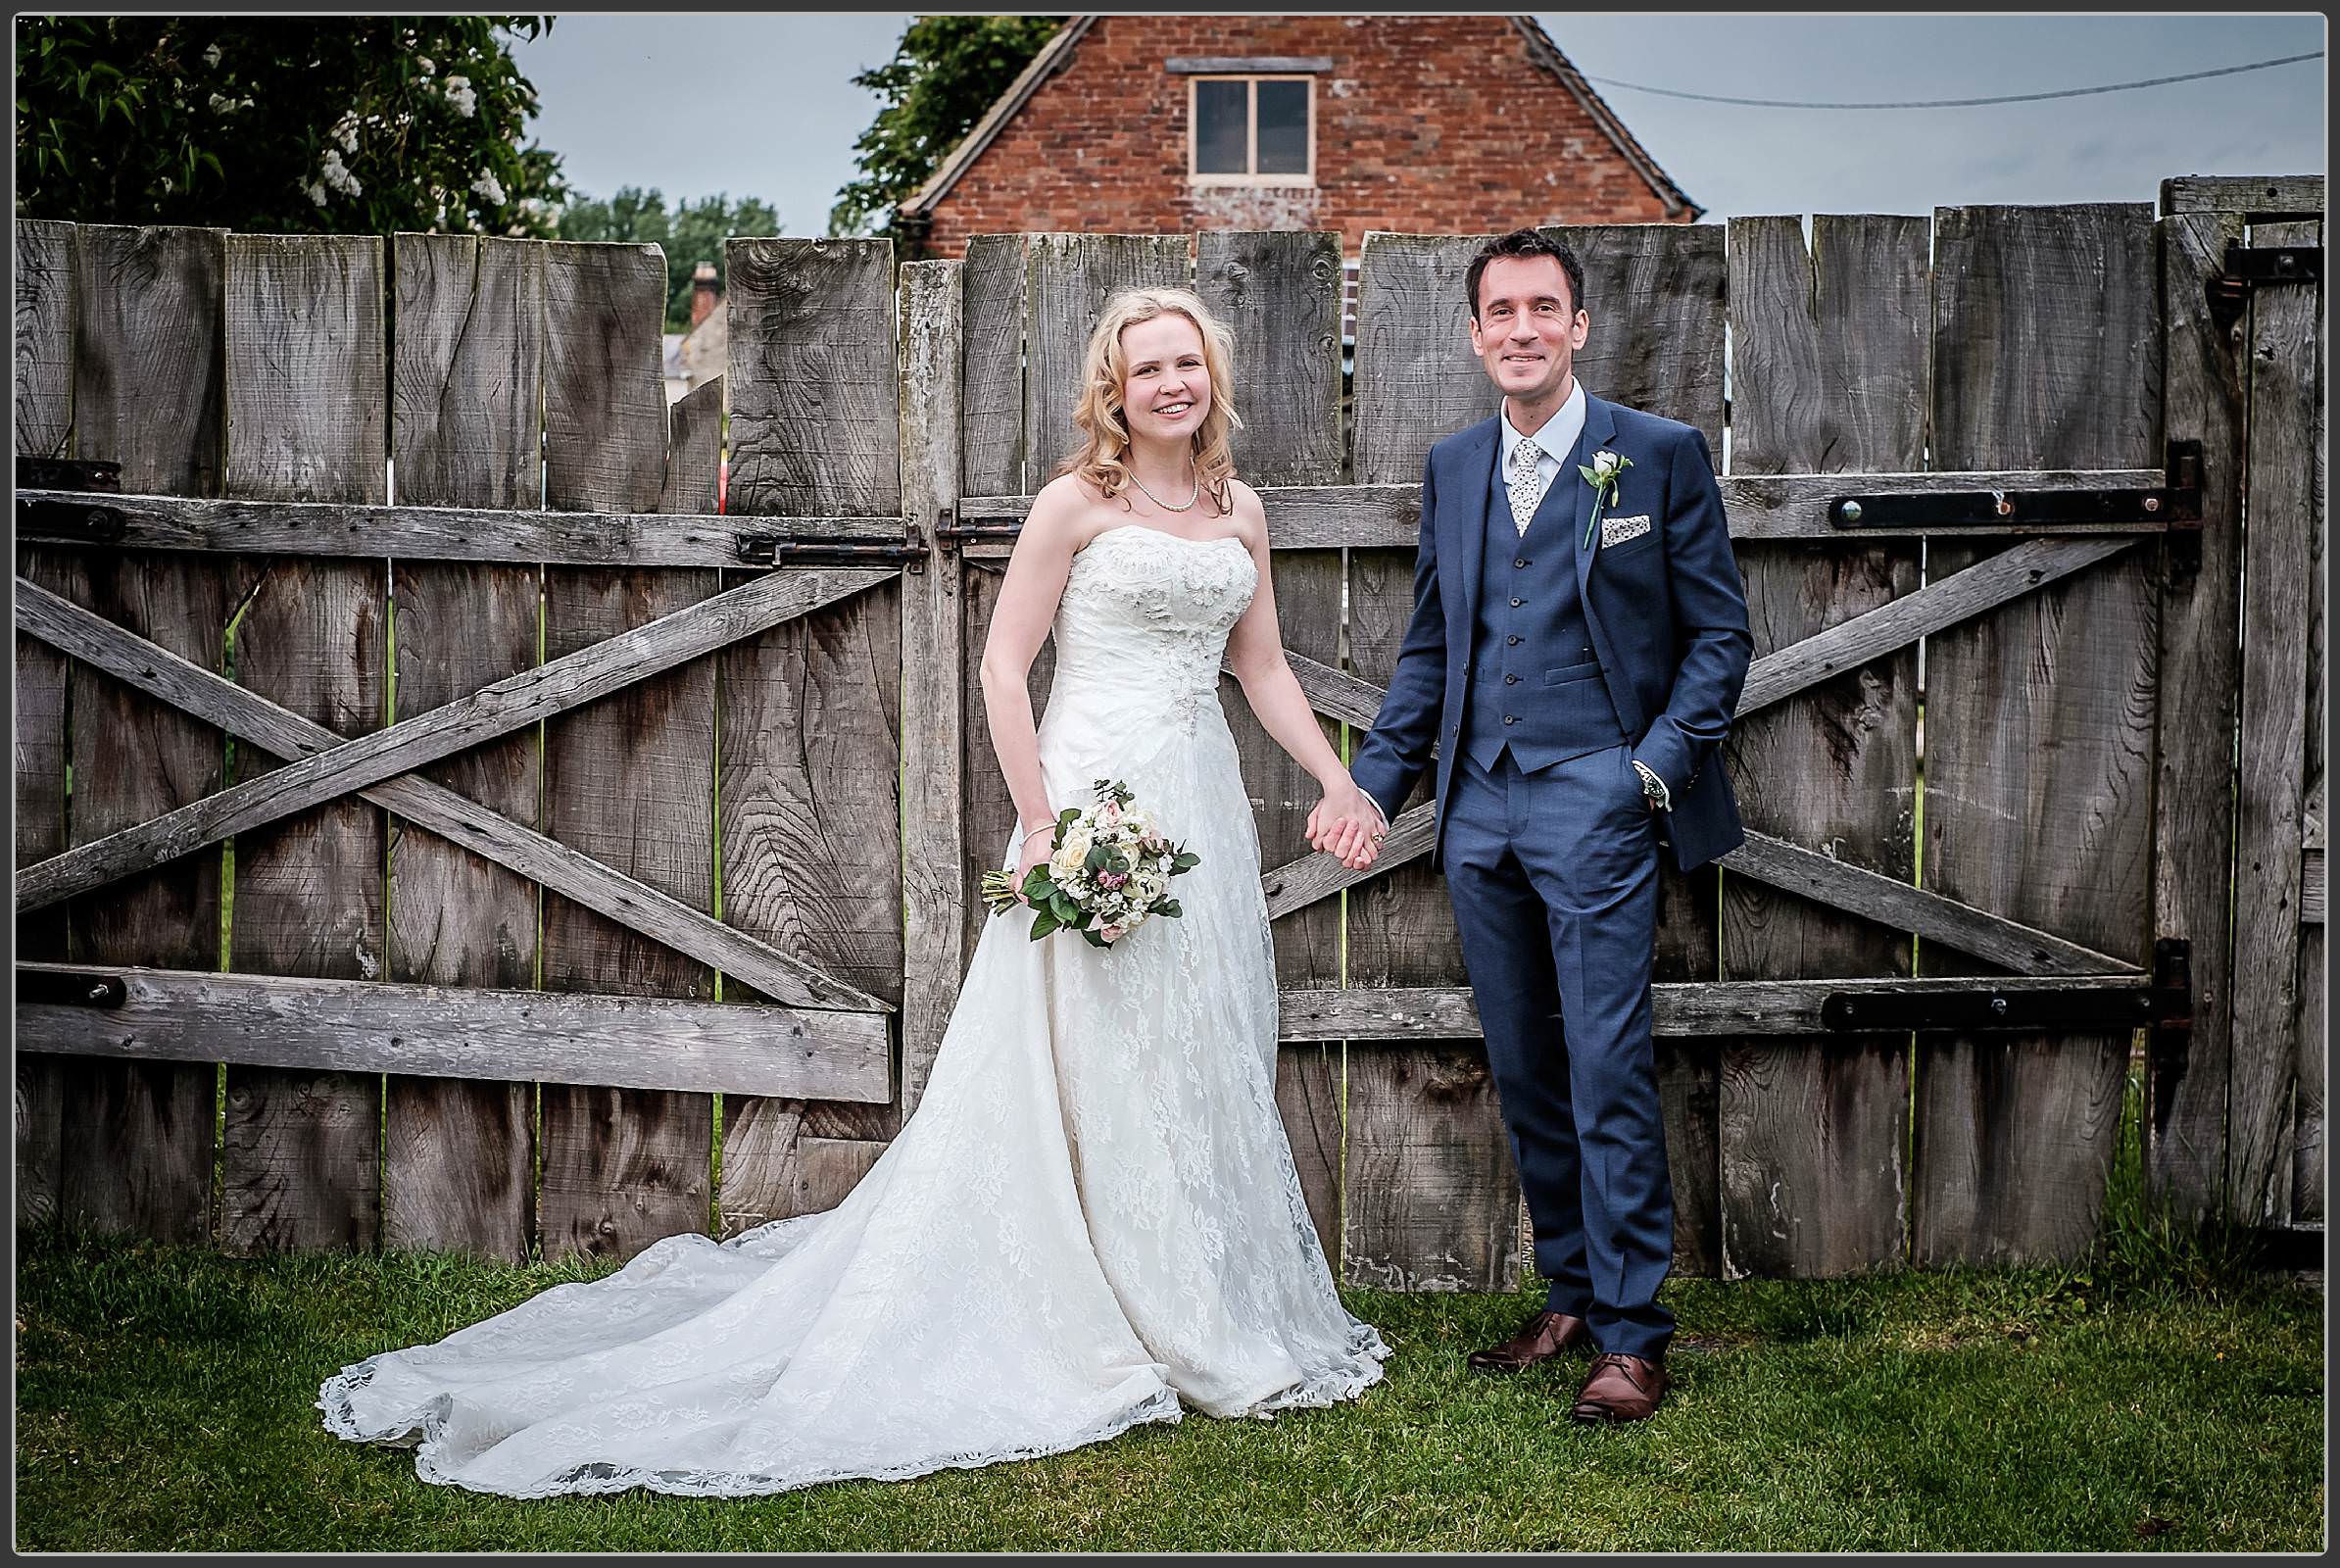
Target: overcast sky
x=695, y=104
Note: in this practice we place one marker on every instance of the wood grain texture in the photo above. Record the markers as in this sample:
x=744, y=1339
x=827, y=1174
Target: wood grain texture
x=2252, y=197
x=1655, y=294
x=1684, y=1010
x=1829, y=367
x=1280, y=294
x=458, y=1155
x=137, y=1139
x=2184, y=1128
x=629, y=780
x=934, y=850
x=1430, y=1196
x=2040, y=717
x=44, y=336
x=1416, y=380
x=694, y=457
x=2283, y=494
x=809, y=720
x=811, y=376
x=759, y=1161
x=306, y=393
x=45, y=410
x=2307, y=1118
x=992, y=367
x=470, y=1032
x=1309, y=1078
x=446, y=533
x=624, y=899
x=1068, y=278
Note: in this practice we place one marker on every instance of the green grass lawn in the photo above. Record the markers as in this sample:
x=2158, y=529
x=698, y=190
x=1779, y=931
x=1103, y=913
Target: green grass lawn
x=164, y=1402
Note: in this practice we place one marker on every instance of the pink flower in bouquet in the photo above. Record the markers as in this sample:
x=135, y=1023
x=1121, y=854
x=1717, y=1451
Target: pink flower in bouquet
x=1109, y=933
x=1111, y=879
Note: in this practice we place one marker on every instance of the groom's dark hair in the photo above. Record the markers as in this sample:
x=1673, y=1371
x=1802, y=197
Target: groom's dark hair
x=1526, y=242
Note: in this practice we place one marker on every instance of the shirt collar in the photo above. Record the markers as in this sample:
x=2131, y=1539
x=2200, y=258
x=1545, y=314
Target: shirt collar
x=1558, y=435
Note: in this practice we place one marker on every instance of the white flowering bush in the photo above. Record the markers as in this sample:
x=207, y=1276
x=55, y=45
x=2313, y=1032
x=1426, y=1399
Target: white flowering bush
x=1108, y=873
x=282, y=125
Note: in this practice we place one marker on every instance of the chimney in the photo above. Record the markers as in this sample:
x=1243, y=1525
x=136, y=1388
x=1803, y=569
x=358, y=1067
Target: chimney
x=703, y=292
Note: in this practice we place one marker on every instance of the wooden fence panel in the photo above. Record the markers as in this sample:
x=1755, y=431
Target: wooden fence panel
x=1069, y=277
x=44, y=414
x=1830, y=371
x=1280, y=294
x=2040, y=717
x=808, y=713
x=994, y=297
x=2184, y=1129
x=937, y=885
x=2308, y=1153
x=299, y=1150
x=628, y=778
x=137, y=1139
x=458, y=1155
x=1429, y=1199
x=2280, y=507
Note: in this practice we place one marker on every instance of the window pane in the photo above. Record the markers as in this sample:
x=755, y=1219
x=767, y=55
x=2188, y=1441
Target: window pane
x=1284, y=127
x=1220, y=111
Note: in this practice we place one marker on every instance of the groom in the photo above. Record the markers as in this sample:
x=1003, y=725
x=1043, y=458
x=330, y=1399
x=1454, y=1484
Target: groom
x=1575, y=655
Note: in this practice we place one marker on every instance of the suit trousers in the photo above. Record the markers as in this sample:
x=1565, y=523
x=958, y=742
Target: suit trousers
x=1553, y=875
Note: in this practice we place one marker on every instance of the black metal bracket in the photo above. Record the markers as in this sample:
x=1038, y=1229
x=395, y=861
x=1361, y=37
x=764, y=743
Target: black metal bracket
x=2165, y=1004
x=47, y=517
x=1950, y=509
x=951, y=533
x=2182, y=476
x=2246, y=269
x=51, y=988
x=85, y=474
x=818, y=550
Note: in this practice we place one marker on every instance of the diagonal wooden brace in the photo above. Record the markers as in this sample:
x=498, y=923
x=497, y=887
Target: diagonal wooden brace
x=493, y=710
x=248, y=717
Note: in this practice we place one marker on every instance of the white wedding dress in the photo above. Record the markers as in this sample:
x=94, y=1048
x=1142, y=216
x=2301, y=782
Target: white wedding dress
x=1091, y=1220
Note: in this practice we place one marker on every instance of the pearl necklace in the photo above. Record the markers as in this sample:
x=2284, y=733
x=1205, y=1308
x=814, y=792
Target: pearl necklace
x=1164, y=505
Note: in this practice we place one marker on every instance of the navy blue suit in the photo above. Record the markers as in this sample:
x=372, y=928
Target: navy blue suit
x=1537, y=672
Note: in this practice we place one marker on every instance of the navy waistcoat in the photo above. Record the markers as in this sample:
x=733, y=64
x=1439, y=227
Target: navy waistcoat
x=1536, y=682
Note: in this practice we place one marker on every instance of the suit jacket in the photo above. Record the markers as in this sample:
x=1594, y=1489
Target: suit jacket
x=1667, y=609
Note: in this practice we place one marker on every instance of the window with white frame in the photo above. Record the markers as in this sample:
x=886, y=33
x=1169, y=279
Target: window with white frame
x=1251, y=131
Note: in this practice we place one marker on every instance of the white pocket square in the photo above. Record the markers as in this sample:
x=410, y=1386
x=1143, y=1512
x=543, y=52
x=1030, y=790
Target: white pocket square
x=1617, y=530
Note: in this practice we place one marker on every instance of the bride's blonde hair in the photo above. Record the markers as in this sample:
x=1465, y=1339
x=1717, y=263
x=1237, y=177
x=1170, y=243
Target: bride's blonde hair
x=1102, y=457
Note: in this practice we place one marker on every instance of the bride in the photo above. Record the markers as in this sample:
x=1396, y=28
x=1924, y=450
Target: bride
x=1093, y=1219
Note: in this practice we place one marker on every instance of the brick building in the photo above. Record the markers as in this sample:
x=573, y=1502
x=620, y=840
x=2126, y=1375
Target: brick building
x=1417, y=125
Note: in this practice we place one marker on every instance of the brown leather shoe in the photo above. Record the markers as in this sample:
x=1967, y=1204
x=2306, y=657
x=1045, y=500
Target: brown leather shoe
x=1621, y=1387
x=1546, y=1335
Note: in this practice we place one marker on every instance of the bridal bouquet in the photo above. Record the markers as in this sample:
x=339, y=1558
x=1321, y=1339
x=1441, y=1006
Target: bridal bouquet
x=1109, y=871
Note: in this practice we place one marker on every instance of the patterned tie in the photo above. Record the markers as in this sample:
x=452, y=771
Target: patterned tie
x=1526, y=492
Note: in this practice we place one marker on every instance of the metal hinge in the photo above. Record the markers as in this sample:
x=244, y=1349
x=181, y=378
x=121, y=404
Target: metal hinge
x=2173, y=503
x=53, y=989
x=2247, y=268
x=817, y=550
x=2164, y=1003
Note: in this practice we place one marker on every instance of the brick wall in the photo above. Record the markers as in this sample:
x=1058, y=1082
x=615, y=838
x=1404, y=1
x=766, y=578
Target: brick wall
x=1424, y=124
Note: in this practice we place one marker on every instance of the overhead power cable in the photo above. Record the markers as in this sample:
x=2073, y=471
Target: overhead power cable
x=1959, y=103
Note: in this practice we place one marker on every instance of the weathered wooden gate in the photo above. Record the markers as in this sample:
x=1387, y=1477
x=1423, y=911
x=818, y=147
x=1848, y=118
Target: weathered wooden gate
x=1893, y=1027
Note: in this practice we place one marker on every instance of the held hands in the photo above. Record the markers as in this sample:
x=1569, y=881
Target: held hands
x=1346, y=826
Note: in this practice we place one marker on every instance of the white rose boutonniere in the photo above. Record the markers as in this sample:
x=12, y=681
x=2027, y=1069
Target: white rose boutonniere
x=1601, y=475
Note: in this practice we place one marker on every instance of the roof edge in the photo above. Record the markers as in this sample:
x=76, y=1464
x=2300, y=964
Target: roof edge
x=1547, y=54
x=1047, y=63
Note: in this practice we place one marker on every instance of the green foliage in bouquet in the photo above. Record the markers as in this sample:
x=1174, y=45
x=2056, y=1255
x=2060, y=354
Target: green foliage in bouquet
x=1058, y=909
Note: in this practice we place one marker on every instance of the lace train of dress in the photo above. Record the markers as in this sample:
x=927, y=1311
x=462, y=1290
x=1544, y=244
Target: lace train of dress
x=1091, y=1220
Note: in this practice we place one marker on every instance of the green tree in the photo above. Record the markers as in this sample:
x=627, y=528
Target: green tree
x=694, y=232
x=946, y=71
x=281, y=125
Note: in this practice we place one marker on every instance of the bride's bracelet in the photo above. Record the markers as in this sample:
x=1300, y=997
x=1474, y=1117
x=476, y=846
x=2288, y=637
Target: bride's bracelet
x=1044, y=827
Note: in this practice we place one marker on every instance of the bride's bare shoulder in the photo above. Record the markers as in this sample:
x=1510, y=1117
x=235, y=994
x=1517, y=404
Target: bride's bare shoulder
x=1067, y=511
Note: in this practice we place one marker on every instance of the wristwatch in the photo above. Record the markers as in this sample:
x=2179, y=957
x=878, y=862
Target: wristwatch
x=1653, y=786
